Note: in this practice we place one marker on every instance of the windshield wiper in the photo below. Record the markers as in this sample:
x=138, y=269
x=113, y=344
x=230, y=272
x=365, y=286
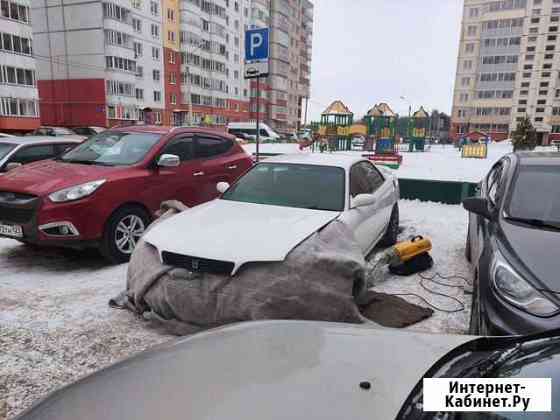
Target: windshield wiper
x=86, y=162
x=535, y=222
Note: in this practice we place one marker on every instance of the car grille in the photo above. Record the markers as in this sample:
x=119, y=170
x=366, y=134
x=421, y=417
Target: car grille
x=197, y=265
x=9, y=214
x=17, y=207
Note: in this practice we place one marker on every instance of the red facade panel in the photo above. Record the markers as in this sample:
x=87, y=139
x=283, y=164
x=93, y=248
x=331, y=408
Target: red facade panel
x=76, y=102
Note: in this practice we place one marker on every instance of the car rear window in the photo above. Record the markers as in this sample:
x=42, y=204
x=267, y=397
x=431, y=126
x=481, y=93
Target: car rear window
x=212, y=146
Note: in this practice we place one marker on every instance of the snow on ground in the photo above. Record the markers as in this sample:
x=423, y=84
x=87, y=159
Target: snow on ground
x=56, y=326
x=441, y=162
x=428, y=220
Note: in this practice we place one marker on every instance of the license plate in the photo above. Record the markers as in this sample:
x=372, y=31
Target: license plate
x=14, y=231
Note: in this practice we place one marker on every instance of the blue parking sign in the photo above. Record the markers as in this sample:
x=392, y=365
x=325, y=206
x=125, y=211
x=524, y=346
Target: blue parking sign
x=256, y=52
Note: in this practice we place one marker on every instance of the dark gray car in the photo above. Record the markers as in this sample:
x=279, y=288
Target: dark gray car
x=513, y=241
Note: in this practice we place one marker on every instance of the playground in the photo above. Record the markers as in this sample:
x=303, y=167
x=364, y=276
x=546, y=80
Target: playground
x=441, y=162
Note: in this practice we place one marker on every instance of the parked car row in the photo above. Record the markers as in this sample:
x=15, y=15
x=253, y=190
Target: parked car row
x=105, y=191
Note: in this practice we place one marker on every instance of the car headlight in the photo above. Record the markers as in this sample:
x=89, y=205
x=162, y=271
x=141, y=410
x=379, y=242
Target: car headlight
x=516, y=290
x=76, y=192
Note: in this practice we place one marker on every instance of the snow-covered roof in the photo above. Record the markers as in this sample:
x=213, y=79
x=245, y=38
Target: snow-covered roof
x=337, y=108
x=381, y=110
x=340, y=160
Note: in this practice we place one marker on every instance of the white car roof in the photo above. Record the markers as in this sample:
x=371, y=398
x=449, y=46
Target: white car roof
x=27, y=140
x=340, y=160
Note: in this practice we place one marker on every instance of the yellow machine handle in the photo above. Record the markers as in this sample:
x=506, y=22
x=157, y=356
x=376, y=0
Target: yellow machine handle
x=410, y=249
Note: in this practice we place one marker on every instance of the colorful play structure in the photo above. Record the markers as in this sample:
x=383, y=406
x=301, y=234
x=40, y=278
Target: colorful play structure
x=418, y=126
x=337, y=129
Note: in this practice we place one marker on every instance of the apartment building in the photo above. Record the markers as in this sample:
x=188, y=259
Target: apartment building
x=168, y=61
x=102, y=61
x=508, y=68
x=291, y=46
x=19, y=106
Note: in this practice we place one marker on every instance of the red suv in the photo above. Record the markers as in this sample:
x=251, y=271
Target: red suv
x=105, y=191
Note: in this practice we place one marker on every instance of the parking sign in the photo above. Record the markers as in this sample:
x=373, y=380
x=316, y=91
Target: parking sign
x=256, y=53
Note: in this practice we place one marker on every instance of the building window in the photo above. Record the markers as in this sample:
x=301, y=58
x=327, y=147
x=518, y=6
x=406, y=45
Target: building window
x=173, y=99
x=540, y=110
x=541, y=102
x=172, y=78
x=469, y=47
x=155, y=31
x=523, y=102
x=15, y=11
x=473, y=12
x=154, y=8
x=171, y=57
x=535, y=20
x=543, y=92
x=155, y=53
x=525, y=84
x=139, y=94
x=539, y=119
x=467, y=64
x=548, y=56
x=545, y=74
x=471, y=30
x=465, y=81
x=138, y=50
x=137, y=25
x=553, y=29
x=157, y=96
x=137, y=4
x=156, y=75
x=170, y=15
x=527, y=75
x=534, y=30
x=547, y=66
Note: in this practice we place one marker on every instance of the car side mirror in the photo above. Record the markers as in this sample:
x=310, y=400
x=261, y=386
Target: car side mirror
x=168, y=161
x=478, y=206
x=12, y=165
x=362, y=200
x=222, y=187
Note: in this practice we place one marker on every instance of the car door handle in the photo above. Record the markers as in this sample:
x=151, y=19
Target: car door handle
x=198, y=173
x=232, y=167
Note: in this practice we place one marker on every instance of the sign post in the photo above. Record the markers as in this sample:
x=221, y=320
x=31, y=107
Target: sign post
x=256, y=63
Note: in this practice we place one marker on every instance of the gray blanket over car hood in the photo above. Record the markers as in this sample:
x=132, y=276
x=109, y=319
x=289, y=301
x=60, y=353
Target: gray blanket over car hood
x=317, y=281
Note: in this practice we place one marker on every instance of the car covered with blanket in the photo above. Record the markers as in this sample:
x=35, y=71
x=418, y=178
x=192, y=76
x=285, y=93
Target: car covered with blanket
x=275, y=206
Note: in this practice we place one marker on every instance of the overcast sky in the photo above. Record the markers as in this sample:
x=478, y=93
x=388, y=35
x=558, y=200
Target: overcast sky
x=370, y=51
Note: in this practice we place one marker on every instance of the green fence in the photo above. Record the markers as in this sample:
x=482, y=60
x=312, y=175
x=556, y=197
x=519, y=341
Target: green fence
x=448, y=192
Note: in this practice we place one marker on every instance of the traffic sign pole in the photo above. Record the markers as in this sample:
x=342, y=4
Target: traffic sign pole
x=257, y=51
x=258, y=107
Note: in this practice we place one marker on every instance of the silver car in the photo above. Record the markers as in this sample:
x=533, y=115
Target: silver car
x=17, y=151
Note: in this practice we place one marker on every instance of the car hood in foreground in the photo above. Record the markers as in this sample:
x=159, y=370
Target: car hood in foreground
x=259, y=370
x=237, y=232
x=47, y=176
x=537, y=249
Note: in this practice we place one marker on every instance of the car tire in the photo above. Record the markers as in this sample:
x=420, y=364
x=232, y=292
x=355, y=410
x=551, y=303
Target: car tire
x=392, y=233
x=474, y=324
x=122, y=232
x=468, y=251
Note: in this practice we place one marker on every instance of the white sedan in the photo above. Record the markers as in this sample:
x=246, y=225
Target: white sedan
x=276, y=205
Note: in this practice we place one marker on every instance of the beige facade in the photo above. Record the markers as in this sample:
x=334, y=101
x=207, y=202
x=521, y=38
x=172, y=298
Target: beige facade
x=507, y=67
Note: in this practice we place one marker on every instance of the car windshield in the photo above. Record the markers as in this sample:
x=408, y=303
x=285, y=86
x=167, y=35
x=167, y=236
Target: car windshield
x=5, y=148
x=536, y=184
x=113, y=148
x=291, y=185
